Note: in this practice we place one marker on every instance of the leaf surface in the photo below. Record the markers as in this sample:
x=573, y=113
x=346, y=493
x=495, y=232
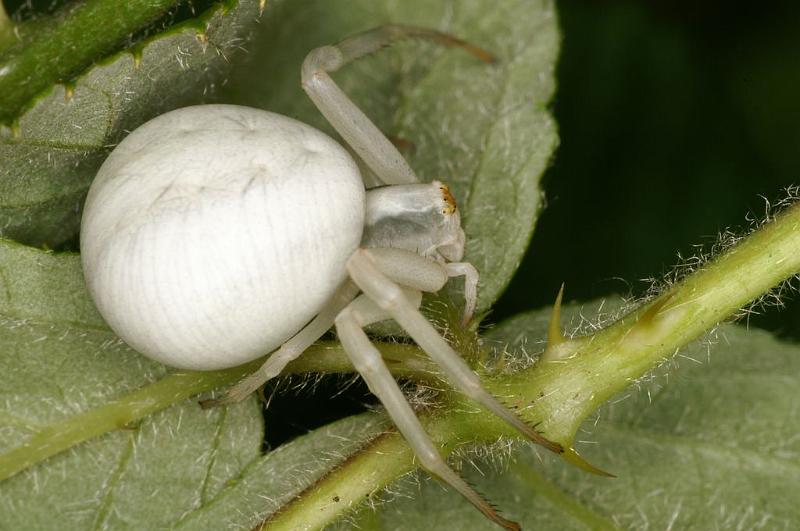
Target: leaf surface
x=58, y=360
x=285, y=473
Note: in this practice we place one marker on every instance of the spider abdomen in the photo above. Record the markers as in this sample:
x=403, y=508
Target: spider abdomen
x=212, y=234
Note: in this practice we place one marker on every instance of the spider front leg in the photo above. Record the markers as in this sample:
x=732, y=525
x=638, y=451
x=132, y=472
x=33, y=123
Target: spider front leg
x=366, y=273
x=471, y=276
x=368, y=362
x=379, y=154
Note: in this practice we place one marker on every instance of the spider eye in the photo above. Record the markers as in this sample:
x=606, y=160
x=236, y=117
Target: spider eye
x=449, y=200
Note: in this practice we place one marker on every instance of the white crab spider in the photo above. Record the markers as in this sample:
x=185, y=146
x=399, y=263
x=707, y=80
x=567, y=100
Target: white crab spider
x=217, y=233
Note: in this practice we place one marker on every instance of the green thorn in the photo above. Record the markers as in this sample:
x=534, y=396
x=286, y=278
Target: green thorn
x=554, y=335
x=571, y=456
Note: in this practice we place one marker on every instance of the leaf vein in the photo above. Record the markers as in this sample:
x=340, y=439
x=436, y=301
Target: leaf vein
x=104, y=508
x=731, y=455
x=223, y=414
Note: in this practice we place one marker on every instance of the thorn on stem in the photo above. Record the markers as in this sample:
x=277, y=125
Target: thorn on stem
x=555, y=337
x=574, y=457
x=652, y=312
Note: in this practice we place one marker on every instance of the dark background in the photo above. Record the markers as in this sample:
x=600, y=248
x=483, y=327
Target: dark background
x=675, y=118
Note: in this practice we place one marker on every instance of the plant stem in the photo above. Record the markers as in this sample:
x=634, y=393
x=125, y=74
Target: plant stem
x=380, y=462
x=326, y=356
x=565, y=392
x=384, y=459
x=116, y=414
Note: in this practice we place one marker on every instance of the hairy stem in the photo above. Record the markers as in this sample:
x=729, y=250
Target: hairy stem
x=326, y=356
x=380, y=462
x=604, y=363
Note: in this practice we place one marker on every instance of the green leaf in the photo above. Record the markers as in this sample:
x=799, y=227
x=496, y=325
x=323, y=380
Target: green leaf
x=59, y=360
x=713, y=446
x=483, y=129
x=43, y=286
x=52, y=153
x=67, y=42
x=278, y=477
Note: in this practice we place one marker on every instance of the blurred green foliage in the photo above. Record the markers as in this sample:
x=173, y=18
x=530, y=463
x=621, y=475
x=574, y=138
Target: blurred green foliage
x=674, y=118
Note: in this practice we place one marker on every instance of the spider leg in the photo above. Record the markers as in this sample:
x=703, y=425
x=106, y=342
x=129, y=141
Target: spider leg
x=368, y=362
x=365, y=272
x=424, y=275
x=410, y=269
x=471, y=276
x=289, y=350
x=371, y=145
